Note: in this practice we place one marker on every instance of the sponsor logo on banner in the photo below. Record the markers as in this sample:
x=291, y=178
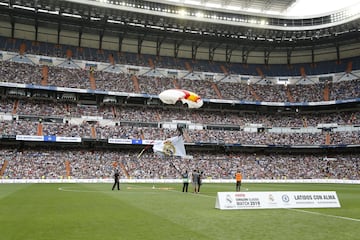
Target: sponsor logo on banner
x=263, y=200
x=68, y=139
x=49, y=138
x=29, y=138
x=46, y=61
x=230, y=201
x=119, y=141
x=136, y=141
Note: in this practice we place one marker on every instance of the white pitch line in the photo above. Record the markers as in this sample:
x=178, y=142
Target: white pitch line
x=76, y=190
x=69, y=189
x=325, y=215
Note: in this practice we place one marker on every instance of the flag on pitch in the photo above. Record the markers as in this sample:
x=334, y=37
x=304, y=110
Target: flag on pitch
x=171, y=147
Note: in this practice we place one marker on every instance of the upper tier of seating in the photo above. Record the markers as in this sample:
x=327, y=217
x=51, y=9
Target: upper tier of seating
x=120, y=82
x=103, y=55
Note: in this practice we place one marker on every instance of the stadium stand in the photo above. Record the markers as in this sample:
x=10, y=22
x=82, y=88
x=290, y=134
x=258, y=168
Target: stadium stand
x=43, y=100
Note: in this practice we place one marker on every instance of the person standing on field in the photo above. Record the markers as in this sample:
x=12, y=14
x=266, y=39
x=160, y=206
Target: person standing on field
x=195, y=181
x=238, y=178
x=185, y=177
x=116, y=180
x=200, y=179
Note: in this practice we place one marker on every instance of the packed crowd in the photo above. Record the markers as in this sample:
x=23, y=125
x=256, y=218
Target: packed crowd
x=84, y=130
x=100, y=164
x=143, y=114
x=121, y=82
x=170, y=62
x=56, y=164
x=133, y=123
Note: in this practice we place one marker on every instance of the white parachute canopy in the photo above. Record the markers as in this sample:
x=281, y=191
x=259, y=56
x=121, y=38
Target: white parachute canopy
x=171, y=96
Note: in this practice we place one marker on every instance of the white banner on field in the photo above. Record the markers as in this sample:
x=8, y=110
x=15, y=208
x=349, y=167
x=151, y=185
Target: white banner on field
x=266, y=200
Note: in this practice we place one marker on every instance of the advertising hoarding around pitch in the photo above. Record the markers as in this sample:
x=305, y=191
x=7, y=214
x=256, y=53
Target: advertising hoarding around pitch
x=266, y=200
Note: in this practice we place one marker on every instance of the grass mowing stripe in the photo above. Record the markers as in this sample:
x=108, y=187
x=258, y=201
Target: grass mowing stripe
x=8, y=189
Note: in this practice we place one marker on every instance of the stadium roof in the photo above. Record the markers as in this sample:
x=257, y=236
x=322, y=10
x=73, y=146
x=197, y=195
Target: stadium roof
x=275, y=7
x=178, y=23
x=263, y=6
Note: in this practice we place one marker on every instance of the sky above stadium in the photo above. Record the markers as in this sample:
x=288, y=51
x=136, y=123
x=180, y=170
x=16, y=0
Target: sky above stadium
x=314, y=7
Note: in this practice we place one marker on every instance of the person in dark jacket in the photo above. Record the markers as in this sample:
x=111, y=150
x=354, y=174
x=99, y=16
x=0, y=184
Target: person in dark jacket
x=116, y=180
x=185, y=177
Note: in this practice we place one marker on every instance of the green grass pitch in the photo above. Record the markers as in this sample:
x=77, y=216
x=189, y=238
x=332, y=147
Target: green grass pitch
x=138, y=211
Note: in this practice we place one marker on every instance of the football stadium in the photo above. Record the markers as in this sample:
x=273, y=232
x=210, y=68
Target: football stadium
x=179, y=119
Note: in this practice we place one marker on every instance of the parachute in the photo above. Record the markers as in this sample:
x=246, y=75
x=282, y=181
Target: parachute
x=171, y=96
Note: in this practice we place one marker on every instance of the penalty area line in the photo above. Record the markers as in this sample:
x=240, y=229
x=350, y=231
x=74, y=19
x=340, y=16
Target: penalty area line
x=76, y=190
x=132, y=189
x=147, y=188
x=324, y=215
